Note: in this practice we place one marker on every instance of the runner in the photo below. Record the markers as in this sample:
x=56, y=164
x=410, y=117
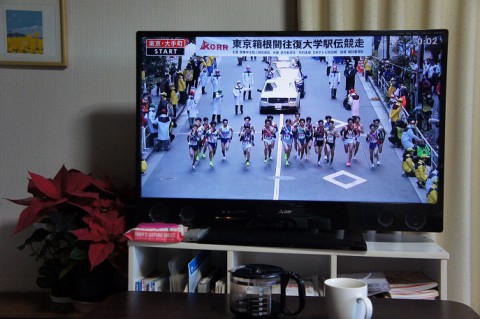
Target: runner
x=328, y=118
x=194, y=140
x=372, y=139
x=319, y=134
x=246, y=136
x=301, y=138
x=349, y=134
x=330, y=137
x=359, y=127
x=213, y=135
x=308, y=136
x=226, y=133
x=275, y=126
x=268, y=132
x=203, y=133
x=287, y=140
x=246, y=123
x=295, y=123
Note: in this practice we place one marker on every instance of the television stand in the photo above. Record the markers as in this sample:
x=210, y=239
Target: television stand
x=338, y=240
x=408, y=253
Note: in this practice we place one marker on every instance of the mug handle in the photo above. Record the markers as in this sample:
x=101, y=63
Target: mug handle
x=301, y=292
x=368, y=306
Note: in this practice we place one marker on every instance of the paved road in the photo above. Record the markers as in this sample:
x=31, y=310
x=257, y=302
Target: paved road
x=170, y=174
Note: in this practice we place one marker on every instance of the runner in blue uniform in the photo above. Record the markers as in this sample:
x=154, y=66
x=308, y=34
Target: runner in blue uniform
x=300, y=133
x=372, y=139
x=287, y=140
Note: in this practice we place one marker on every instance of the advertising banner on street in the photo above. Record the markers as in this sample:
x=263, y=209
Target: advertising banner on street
x=291, y=46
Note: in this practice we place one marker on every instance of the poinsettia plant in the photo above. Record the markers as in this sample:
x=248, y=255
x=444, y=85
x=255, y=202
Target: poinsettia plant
x=80, y=216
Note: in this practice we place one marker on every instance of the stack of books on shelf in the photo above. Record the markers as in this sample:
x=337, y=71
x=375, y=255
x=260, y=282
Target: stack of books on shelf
x=185, y=274
x=411, y=285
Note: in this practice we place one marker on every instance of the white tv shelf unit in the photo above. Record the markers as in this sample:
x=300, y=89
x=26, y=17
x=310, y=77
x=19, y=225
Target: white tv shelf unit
x=385, y=253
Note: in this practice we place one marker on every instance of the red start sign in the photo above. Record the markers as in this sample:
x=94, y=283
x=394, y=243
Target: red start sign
x=165, y=47
x=166, y=43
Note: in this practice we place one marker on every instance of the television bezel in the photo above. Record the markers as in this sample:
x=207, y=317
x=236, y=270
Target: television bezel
x=349, y=216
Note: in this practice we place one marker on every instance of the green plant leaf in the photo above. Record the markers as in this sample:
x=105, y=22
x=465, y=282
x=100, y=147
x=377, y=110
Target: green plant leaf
x=78, y=254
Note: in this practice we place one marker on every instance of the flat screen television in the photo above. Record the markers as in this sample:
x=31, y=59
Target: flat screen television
x=288, y=179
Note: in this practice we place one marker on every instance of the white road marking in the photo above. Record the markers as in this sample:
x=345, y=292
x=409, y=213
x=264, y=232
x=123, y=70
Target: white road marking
x=276, y=189
x=357, y=180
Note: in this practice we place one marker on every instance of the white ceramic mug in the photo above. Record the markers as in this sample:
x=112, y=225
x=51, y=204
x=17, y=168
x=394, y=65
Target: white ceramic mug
x=347, y=298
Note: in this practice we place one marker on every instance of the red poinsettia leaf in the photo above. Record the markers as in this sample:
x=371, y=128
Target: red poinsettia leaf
x=46, y=186
x=82, y=234
x=76, y=181
x=61, y=176
x=119, y=226
x=82, y=194
x=22, y=201
x=98, y=252
x=29, y=215
x=35, y=211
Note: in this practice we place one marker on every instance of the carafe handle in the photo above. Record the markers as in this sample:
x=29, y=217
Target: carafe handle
x=285, y=277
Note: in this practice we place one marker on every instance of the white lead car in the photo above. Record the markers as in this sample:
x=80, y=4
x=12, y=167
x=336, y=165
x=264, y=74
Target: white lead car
x=280, y=95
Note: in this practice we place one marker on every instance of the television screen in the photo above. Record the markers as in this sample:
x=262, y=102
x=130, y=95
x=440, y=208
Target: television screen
x=340, y=122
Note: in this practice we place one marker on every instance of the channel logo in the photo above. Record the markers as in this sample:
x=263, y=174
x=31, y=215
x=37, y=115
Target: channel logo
x=213, y=46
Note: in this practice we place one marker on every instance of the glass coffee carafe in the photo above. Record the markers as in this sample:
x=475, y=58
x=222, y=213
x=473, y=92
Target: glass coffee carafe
x=253, y=287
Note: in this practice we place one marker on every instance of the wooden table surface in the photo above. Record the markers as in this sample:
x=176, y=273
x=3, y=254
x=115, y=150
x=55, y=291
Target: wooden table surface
x=140, y=305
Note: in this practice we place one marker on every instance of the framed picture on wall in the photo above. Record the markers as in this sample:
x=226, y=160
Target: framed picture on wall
x=33, y=33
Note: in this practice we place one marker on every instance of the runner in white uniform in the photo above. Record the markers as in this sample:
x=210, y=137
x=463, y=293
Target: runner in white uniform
x=268, y=132
x=226, y=133
x=246, y=136
x=213, y=134
x=330, y=137
x=349, y=133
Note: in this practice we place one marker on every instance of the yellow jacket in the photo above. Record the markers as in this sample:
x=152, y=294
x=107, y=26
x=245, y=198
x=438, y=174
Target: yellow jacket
x=173, y=97
x=395, y=114
x=182, y=86
x=188, y=75
x=366, y=65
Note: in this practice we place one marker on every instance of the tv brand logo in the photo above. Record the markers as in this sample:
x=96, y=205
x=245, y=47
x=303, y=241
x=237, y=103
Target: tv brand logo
x=213, y=46
x=285, y=211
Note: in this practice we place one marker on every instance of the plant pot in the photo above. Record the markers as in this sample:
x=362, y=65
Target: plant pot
x=88, y=288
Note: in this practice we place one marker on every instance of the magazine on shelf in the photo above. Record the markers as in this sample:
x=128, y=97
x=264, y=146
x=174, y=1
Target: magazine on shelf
x=411, y=285
x=376, y=281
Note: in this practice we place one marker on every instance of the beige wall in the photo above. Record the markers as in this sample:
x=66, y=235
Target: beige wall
x=84, y=116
